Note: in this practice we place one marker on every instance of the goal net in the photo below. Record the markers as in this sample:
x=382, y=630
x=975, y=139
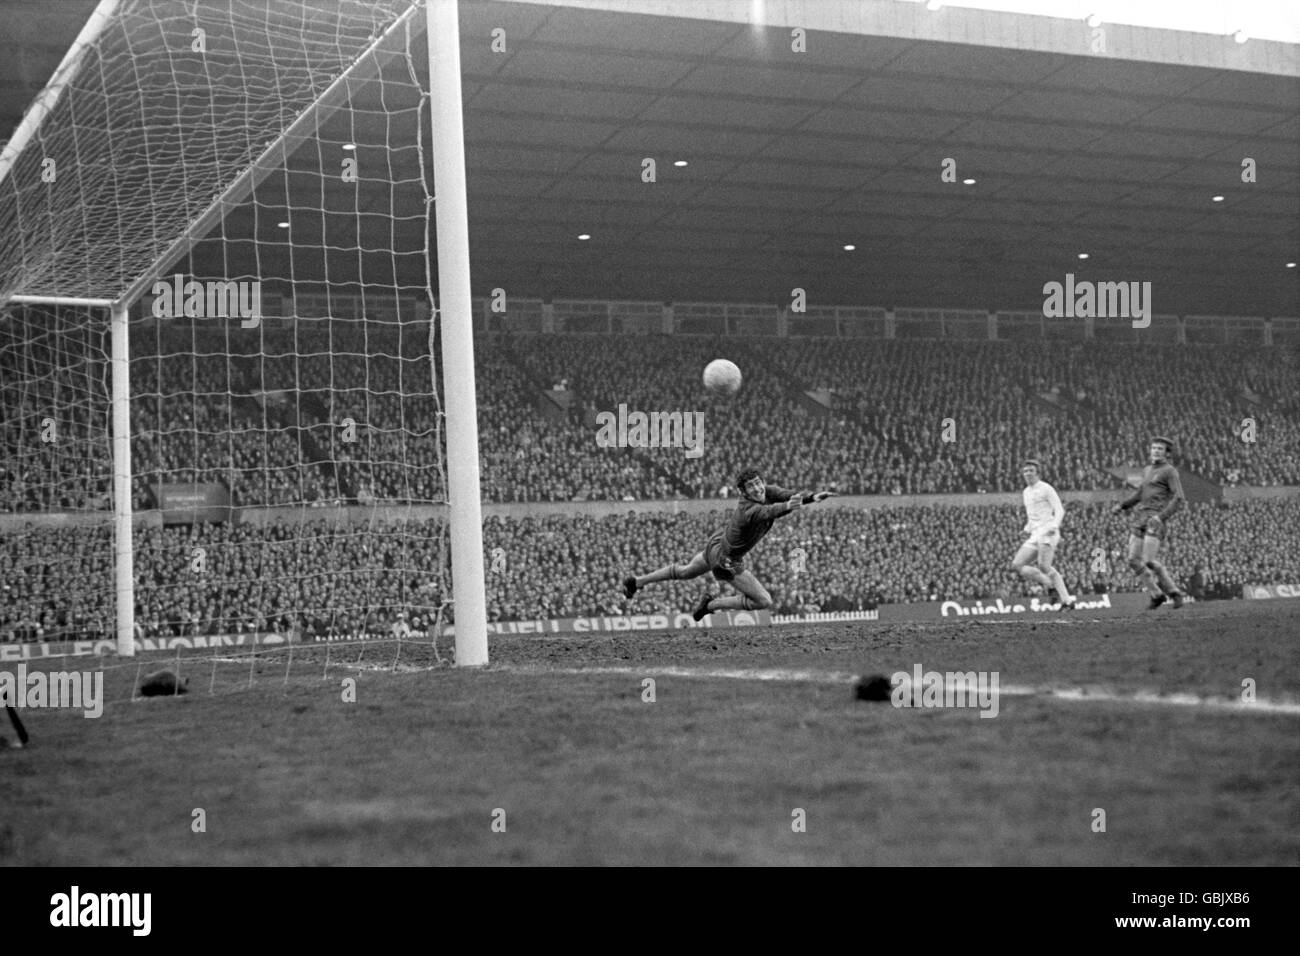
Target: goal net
x=234, y=199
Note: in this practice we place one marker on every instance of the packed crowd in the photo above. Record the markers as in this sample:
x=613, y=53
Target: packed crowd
x=320, y=579
x=310, y=419
x=849, y=558
x=1084, y=408
x=764, y=422
x=313, y=577
x=531, y=456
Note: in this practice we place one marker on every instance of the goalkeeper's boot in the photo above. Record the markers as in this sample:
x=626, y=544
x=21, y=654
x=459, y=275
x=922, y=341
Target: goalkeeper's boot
x=1176, y=599
x=702, y=609
x=629, y=586
x=1156, y=601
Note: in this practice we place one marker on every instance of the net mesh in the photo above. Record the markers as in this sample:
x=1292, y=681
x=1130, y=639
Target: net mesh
x=260, y=173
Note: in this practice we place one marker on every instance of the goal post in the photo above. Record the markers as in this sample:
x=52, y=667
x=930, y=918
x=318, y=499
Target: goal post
x=123, y=510
x=456, y=307
x=271, y=406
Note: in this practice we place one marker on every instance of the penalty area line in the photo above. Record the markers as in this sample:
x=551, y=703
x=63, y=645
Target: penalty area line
x=796, y=675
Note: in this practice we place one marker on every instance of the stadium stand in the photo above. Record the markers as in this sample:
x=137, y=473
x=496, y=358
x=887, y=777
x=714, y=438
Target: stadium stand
x=58, y=581
x=857, y=416
x=267, y=426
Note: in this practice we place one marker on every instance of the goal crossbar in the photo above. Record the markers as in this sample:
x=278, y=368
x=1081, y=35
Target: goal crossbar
x=64, y=73
x=62, y=300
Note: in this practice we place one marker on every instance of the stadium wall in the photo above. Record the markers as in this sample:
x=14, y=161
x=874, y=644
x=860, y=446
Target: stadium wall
x=524, y=316
x=937, y=612
x=612, y=317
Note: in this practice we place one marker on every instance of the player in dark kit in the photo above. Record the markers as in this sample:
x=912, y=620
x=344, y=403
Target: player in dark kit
x=759, y=507
x=1159, y=497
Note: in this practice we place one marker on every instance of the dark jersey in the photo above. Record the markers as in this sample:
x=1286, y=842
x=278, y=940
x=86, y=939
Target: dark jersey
x=1161, y=492
x=751, y=520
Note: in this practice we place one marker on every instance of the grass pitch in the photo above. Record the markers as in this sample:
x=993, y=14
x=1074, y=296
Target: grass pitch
x=528, y=762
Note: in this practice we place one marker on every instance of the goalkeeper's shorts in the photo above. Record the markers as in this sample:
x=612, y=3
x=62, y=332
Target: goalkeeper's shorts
x=724, y=567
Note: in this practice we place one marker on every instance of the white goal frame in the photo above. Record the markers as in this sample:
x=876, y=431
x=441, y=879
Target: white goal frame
x=454, y=307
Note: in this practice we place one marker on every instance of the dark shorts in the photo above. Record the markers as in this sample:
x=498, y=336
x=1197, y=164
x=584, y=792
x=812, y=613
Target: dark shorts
x=723, y=567
x=1138, y=525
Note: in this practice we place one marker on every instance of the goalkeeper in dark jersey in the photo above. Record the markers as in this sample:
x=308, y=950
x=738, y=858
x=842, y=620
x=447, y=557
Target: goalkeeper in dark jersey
x=1158, y=498
x=759, y=507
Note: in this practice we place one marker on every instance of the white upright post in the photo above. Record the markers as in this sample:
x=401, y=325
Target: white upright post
x=455, y=306
x=123, y=555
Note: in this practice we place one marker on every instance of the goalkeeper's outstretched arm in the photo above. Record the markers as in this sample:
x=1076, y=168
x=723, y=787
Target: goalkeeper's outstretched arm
x=775, y=493
x=812, y=497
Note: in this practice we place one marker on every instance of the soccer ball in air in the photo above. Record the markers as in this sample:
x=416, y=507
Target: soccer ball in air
x=722, y=377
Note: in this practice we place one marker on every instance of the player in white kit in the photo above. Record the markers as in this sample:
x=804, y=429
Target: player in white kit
x=1044, y=511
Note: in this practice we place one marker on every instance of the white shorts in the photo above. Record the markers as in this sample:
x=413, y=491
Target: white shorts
x=1050, y=538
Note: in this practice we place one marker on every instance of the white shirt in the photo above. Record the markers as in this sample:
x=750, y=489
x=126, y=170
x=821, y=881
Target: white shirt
x=1043, y=509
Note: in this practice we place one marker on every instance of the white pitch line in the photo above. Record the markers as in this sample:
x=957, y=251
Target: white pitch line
x=1080, y=694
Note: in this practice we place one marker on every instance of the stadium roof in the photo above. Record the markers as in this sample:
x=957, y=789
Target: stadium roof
x=792, y=156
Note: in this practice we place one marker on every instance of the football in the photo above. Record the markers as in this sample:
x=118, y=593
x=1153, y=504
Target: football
x=722, y=377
